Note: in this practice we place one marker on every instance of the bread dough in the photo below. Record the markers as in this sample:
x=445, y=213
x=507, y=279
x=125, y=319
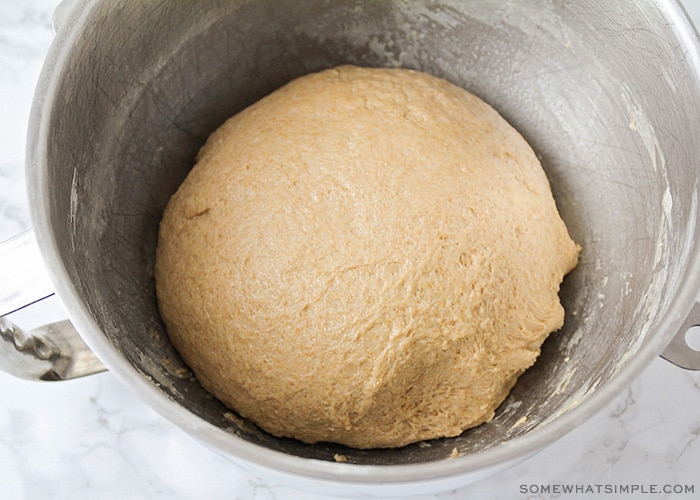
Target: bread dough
x=365, y=256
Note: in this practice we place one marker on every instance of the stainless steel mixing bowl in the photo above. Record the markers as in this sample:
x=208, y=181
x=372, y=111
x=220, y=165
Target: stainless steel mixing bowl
x=606, y=91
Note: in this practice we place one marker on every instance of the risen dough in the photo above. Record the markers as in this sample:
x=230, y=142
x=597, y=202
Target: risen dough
x=365, y=256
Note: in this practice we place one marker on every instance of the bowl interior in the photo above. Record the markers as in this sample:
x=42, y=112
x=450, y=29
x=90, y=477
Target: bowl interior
x=603, y=93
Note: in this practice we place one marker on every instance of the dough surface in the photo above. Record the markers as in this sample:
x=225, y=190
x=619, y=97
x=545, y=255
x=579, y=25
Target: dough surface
x=365, y=256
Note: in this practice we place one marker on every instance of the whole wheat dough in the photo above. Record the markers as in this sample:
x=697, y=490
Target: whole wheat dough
x=365, y=256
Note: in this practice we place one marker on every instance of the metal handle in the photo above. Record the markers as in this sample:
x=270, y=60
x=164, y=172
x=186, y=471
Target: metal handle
x=48, y=352
x=678, y=351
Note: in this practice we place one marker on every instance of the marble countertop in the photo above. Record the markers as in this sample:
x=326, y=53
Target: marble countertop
x=92, y=438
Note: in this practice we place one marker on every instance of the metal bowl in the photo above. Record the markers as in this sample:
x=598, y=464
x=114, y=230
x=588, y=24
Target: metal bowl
x=607, y=93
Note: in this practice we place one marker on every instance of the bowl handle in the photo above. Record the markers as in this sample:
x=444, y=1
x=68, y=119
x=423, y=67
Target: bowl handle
x=49, y=352
x=678, y=351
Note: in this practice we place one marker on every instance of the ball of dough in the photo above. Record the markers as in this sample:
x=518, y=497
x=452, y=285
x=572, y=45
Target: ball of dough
x=365, y=256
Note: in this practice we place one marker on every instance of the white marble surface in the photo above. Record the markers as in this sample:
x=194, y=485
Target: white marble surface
x=91, y=438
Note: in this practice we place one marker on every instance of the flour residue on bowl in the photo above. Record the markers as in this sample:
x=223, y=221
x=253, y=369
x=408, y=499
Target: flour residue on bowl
x=73, y=206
